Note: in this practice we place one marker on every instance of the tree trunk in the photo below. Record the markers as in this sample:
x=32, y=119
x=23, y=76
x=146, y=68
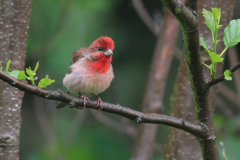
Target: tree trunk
x=14, y=24
x=181, y=145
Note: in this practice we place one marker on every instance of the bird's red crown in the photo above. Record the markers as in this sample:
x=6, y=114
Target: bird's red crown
x=104, y=42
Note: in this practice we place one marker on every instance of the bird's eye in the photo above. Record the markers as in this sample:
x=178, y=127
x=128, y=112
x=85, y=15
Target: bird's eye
x=100, y=49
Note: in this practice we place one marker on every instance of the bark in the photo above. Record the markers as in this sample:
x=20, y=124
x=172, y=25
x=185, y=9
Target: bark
x=14, y=22
x=180, y=145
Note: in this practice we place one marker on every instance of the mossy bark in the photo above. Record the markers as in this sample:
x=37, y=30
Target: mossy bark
x=182, y=146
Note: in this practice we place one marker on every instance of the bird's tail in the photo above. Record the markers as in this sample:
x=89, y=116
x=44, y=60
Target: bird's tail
x=61, y=105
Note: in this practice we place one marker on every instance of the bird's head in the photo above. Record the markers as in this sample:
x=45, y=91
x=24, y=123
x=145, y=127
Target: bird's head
x=100, y=53
x=104, y=45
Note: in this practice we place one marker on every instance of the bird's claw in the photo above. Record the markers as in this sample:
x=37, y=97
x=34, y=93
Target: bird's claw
x=99, y=102
x=84, y=100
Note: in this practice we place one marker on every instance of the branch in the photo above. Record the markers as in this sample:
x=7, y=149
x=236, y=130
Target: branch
x=137, y=116
x=221, y=78
x=143, y=14
x=186, y=17
x=223, y=151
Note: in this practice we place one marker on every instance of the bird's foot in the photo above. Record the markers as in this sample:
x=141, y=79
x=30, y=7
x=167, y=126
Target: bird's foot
x=99, y=102
x=84, y=99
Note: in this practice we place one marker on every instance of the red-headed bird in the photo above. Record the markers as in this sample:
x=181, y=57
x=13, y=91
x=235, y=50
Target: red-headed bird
x=91, y=71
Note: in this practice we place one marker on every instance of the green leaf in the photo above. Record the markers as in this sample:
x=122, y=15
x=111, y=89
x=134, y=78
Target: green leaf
x=35, y=78
x=7, y=66
x=14, y=73
x=22, y=75
x=45, y=82
x=215, y=58
x=36, y=67
x=1, y=67
x=232, y=33
x=203, y=43
x=209, y=19
x=31, y=75
x=216, y=14
x=227, y=75
x=30, y=72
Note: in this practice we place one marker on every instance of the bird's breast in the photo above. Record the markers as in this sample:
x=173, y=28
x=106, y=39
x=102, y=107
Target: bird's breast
x=83, y=81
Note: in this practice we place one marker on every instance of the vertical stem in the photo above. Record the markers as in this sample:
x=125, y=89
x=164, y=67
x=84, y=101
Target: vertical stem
x=214, y=71
x=215, y=41
x=213, y=37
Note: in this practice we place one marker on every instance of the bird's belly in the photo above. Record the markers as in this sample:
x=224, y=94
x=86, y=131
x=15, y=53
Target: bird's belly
x=86, y=82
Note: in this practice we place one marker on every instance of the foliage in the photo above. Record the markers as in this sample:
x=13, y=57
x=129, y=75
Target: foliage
x=231, y=38
x=227, y=75
x=20, y=75
x=45, y=82
x=31, y=73
x=15, y=73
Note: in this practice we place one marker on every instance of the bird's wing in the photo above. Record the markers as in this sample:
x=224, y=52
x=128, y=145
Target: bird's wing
x=79, y=54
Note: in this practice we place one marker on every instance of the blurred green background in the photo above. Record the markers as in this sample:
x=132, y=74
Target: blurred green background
x=60, y=27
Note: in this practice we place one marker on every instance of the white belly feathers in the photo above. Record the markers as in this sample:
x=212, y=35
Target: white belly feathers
x=87, y=82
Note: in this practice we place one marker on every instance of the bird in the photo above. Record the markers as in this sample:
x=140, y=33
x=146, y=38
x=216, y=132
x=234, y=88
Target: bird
x=91, y=71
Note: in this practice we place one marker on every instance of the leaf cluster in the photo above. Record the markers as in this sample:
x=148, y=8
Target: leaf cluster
x=231, y=38
x=31, y=75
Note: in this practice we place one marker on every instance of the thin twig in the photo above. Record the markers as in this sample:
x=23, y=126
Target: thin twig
x=223, y=150
x=221, y=78
x=138, y=117
x=143, y=14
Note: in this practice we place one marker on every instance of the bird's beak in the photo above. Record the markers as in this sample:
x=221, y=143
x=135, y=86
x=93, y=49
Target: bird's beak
x=108, y=52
